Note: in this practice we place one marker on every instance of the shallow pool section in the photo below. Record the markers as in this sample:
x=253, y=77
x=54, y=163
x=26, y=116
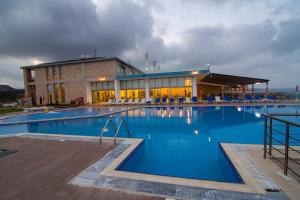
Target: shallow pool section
x=178, y=141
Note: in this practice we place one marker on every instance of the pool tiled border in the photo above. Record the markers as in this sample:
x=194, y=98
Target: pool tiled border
x=65, y=118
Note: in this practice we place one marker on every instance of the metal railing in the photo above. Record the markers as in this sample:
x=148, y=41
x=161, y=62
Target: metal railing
x=117, y=132
x=116, y=129
x=104, y=129
x=278, y=131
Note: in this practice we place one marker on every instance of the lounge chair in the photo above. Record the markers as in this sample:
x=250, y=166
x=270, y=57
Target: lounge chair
x=122, y=102
x=109, y=102
x=258, y=98
x=209, y=99
x=180, y=100
x=172, y=100
x=164, y=100
x=270, y=98
x=149, y=101
x=136, y=101
x=187, y=100
x=157, y=101
x=129, y=101
x=248, y=98
x=227, y=99
x=237, y=100
x=143, y=101
x=195, y=99
x=218, y=99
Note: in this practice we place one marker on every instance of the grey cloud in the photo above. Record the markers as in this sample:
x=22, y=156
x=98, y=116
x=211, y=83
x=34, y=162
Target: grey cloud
x=60, y=29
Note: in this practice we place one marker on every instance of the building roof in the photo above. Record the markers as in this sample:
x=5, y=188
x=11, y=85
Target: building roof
x=231, y=80
x=82, y=60
x=162, y=74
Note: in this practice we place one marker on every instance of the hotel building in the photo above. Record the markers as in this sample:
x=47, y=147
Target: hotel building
x=96, y=80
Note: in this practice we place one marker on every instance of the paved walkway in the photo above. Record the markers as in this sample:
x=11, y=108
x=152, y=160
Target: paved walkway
x=42, y=168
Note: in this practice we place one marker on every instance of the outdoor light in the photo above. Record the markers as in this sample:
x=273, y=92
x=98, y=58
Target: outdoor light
x=257, y=83
x=239, y=109
x=196, y=132
x=195, y=72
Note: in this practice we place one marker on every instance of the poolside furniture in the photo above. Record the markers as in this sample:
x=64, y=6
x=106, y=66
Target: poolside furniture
x=136, y=101
x=122, y=102
x=157, y=101
x=195, y=99
x=227, y=99
x=180, y=100
x=258, y=98
x=237, y=100
x=129, y=101
x=149, y=101
x=143, y=101
x=218, y=99
x=172, y=100
x=109, y=102
x=164, y=100
x=248, y=98
x=187, y=100
x=209, y=99
x=270, y=98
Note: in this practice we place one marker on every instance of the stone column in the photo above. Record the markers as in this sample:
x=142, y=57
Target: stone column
x=147, y=90
x=194, y=86
x=117, y=90
x=88, y=93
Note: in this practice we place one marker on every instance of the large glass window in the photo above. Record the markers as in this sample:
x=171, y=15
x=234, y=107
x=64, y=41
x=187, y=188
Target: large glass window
x=171, y=87
x=132, y=94
x=62, y=93
x=49, y=93
x=49, y=73
x=102, y=91
x=56, y=73
x=102, y=96
x=56, y=95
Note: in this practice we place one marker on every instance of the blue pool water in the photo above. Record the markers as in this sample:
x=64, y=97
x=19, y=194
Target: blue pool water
x=180, y=142
x=78, y=112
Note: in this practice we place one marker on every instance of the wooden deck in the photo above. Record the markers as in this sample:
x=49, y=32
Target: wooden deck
x=41, y=169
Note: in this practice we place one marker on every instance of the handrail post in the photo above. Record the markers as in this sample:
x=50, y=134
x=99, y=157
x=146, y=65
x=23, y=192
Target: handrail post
x=286, y=155
x=270, y=135
x=265, y=136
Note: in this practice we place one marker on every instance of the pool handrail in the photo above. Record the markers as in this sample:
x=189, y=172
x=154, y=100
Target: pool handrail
x=102, y=130
x=118, y=129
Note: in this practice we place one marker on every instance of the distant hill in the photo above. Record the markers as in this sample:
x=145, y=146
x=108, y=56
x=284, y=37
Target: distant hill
x=10, y=94
x=6, y=88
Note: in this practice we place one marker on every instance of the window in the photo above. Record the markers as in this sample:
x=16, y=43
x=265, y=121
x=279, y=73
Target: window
x=49, y=73
x=32, y=75
x=62, y=93
x=56, y=95
x=49, y=93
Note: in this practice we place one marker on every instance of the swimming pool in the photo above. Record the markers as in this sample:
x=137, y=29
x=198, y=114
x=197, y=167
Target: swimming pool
x=178, y=141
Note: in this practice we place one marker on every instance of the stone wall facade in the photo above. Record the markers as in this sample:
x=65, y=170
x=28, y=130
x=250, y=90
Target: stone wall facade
x=74, y=77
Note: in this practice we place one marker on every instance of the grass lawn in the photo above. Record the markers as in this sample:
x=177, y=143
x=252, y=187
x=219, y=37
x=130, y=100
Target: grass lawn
x=10, y=110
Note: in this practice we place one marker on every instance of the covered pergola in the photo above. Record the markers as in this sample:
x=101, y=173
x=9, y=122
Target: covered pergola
x=232, y=81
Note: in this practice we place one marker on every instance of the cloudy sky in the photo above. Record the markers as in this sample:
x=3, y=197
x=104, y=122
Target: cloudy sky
x=259, y=38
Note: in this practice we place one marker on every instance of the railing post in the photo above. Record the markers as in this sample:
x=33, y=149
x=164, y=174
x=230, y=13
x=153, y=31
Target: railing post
x=265, y=136
x=286, y=155
x=270, y=135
